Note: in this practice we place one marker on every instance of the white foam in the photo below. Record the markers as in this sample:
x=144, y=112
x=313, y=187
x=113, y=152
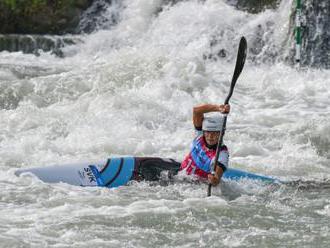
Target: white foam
x=130, y=91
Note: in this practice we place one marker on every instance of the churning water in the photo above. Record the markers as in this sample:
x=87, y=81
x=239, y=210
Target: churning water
x=129, y=90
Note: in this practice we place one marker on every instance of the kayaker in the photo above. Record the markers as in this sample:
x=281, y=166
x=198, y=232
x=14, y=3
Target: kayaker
x=200, y=160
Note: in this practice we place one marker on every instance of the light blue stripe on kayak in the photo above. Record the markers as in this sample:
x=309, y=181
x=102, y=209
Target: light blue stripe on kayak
x=125, y=174
x=234, y=174
x=109, y=172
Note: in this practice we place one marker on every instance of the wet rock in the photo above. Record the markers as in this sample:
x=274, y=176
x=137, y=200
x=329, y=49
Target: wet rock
x=254, y=6
x=35, y=43
x=102, y=14
x=316, y=34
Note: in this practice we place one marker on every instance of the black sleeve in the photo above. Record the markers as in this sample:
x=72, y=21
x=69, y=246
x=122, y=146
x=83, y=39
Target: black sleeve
x=222, y=167
x=198, y=128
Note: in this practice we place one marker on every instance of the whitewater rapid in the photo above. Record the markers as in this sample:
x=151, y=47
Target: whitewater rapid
x=129, y=90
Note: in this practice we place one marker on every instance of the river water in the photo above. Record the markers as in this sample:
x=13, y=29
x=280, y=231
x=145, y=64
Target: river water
x=129, y=90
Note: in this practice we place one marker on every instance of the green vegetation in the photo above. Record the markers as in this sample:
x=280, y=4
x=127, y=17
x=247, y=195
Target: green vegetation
x=41, y=16
x=16, y=5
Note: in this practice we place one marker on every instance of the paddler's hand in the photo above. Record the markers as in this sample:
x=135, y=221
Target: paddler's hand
x=225, y=109
x=213, y=179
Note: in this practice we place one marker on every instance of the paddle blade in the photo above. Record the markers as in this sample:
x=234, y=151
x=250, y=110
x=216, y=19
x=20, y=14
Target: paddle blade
x=240, y=61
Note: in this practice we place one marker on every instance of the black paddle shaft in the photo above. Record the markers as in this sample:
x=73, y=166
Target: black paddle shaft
x=240, y=60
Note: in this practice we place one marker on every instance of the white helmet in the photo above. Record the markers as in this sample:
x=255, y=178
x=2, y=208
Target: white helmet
x=213, y=124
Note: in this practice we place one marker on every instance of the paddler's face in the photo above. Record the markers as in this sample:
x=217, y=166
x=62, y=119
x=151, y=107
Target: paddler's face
x=211, y=138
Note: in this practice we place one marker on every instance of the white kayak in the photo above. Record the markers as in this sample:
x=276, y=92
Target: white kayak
x=118, y=171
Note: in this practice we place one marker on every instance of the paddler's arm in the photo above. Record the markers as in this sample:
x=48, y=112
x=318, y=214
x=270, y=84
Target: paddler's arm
x=215, y=179
x=200, y=110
